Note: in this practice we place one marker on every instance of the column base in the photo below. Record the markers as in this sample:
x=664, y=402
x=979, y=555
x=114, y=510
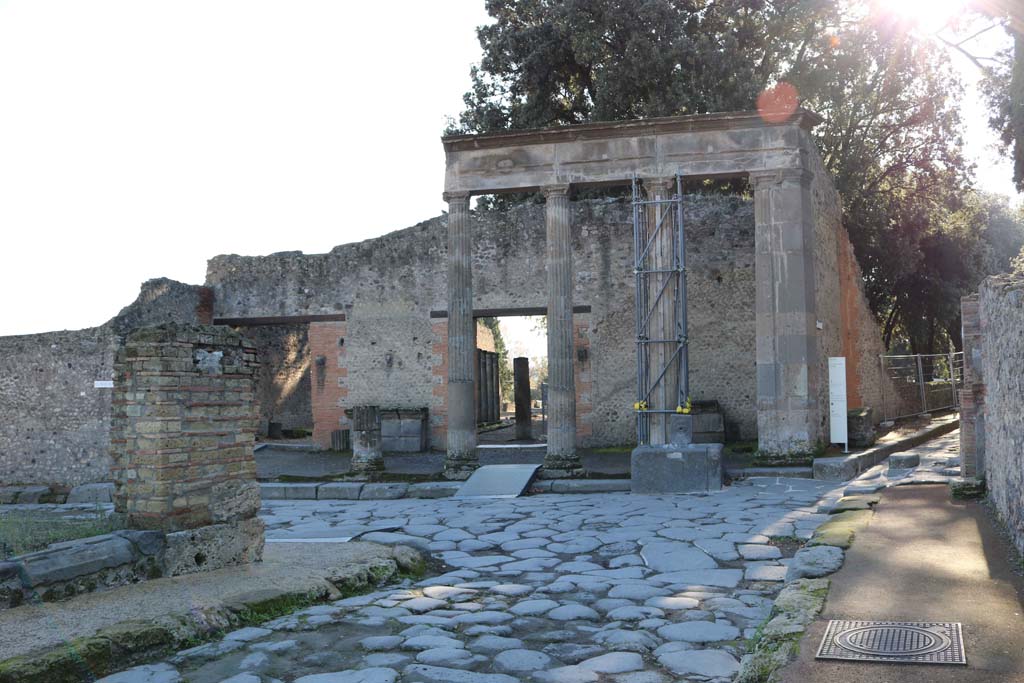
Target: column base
x=562, y=466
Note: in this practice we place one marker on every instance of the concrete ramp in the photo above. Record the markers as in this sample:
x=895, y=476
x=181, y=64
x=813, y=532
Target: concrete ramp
x=498, y=481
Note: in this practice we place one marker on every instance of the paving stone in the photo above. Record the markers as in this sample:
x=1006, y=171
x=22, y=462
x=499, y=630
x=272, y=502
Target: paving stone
x=243, y=678
x=725, y=578
x=765, y=572
x=492, y=644
x=380, y=643
x=636, y=591
x=573, y=613
x=430, y=642
x=423, y=604
x=699, y=632
x=422, y=673
x=532, y=607
x=758, y=552
x=276, y=647
x=521, y=661
x=448, y=592
x=372, y=675
x=567, y=674
x=634, y=613
x=152, y=673
x=621, y=639
x=710, y=663
x=672, y=604
x=814, y=561
x=390, y=538
x=670, y=557
x=614, y=663
x=454, y=657
x=572, y=653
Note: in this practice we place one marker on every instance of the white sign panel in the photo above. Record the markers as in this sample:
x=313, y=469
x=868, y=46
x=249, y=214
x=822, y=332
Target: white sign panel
x=103, y=384
x=837, y=401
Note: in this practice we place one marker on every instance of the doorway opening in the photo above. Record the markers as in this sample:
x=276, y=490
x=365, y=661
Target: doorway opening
x=512, y=365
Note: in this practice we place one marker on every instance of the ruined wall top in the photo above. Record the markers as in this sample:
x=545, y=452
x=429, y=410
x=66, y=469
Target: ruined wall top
x=706, y=145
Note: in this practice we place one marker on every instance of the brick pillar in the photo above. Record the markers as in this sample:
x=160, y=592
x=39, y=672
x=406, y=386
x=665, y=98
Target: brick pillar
x=182, y=434
x=329, y=378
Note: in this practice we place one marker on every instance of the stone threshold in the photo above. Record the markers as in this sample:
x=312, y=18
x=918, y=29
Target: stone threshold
x=354, y=490
x=847, y=467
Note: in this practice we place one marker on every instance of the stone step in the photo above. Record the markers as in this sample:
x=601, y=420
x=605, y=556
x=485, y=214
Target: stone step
x=789, y=472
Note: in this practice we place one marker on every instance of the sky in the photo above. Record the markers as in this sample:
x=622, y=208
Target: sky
x=139, y=138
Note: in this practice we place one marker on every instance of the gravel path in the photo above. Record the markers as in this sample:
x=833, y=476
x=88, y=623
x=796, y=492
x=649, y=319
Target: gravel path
x=548, y=588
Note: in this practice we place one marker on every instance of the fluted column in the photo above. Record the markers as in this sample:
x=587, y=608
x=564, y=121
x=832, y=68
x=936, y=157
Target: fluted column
x=461, y=458
x=561, y=456
x=663, y=296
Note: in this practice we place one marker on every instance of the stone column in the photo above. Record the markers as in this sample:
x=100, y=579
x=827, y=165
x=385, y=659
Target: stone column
x=524, y=412
x=461, y=458
x=561, y=456
x=367, y=456
x=496, y=390
x=663, y=300
x=788, y=372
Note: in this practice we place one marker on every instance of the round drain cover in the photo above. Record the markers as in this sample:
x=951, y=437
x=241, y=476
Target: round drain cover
x=893, y=640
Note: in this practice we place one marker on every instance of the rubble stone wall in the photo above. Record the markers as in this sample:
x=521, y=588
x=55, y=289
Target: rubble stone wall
x=56, y=422
x=1001, y=300
x=388, y=286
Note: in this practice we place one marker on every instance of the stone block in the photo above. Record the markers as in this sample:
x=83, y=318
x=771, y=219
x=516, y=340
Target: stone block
x=680, y=429
x=213, y=547
x=814, y=562
x=92, y=493
x=339, y=490
x=904, y=461
x=675, y=469
x=30, y=495
x=147, y=543
x=289, y=491
x=383, y=491
x=433, y=489
x=839, y=468
x=67, y=561
x=860, y=424
x=234, y=500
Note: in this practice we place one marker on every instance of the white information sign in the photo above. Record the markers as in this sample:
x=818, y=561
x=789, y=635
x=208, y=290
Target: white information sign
x=837, y=401
x=103, y=384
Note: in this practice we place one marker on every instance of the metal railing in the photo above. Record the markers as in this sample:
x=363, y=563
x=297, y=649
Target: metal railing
x=921, y=383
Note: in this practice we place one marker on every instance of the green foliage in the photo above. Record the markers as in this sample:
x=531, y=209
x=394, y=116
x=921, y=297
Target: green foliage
x=891, y=135
x=505, y=374
x=1004, y=88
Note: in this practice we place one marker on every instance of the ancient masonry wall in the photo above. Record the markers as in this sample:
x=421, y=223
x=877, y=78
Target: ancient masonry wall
x=395, y=352
x=849, y=328
x=1001, y=300
x=56, y=423
x=284, y=383
x=972, y=396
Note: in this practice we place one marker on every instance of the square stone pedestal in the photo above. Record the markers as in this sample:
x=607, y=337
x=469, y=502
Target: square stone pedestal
x=694, y=468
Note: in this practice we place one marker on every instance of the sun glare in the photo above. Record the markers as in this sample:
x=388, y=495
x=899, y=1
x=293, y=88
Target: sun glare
x=928, y=16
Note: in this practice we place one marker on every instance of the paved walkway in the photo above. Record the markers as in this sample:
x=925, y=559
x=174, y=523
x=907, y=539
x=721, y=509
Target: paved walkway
x=548, y=588
x=926, y=558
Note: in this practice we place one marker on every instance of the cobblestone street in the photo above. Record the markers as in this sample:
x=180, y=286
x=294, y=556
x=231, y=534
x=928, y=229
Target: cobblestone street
x=557, y=588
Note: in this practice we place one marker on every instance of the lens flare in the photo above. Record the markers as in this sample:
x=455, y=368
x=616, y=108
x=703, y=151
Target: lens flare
x=927, y=16
x=778, y=103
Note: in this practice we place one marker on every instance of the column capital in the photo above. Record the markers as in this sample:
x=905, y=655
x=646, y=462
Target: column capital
x=662, y=185
x=777, y=176
x=559, y=190
x=453, y=197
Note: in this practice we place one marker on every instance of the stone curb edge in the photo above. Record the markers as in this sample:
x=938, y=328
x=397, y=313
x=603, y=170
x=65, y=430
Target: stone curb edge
x=128, y=643
x=848, y=467
x=435, y=489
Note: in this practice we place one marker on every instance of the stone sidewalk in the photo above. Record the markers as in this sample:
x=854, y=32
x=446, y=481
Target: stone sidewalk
x=548, y=588
x=925, y=557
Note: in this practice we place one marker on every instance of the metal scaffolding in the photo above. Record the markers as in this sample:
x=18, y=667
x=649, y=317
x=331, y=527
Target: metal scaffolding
x=663, y=384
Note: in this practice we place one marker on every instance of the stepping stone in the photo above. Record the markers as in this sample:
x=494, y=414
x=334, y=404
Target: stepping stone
x=521, y=661
x=710, y=663
x=699, y=632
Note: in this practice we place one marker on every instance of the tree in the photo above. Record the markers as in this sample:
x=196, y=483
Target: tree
x=891, y=132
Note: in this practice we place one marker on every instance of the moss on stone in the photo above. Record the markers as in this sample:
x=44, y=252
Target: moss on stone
x=841, y=529
x=968, y=489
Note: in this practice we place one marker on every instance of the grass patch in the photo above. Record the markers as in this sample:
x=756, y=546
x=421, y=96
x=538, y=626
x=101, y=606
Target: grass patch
x=23, y=532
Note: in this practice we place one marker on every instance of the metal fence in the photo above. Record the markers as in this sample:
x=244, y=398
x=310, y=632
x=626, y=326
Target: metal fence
x=921, y=383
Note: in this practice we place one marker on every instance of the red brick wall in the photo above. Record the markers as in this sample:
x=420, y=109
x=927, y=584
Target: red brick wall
x=327, y=349
x=584, y=380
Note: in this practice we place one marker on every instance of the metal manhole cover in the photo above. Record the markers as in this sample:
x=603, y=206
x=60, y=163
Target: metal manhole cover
x=927, y=642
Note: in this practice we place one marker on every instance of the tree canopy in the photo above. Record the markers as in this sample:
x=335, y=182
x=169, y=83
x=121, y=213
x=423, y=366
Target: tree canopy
x=891, y=133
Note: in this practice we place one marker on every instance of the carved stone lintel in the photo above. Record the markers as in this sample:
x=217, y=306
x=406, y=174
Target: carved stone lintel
x=559, y=190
